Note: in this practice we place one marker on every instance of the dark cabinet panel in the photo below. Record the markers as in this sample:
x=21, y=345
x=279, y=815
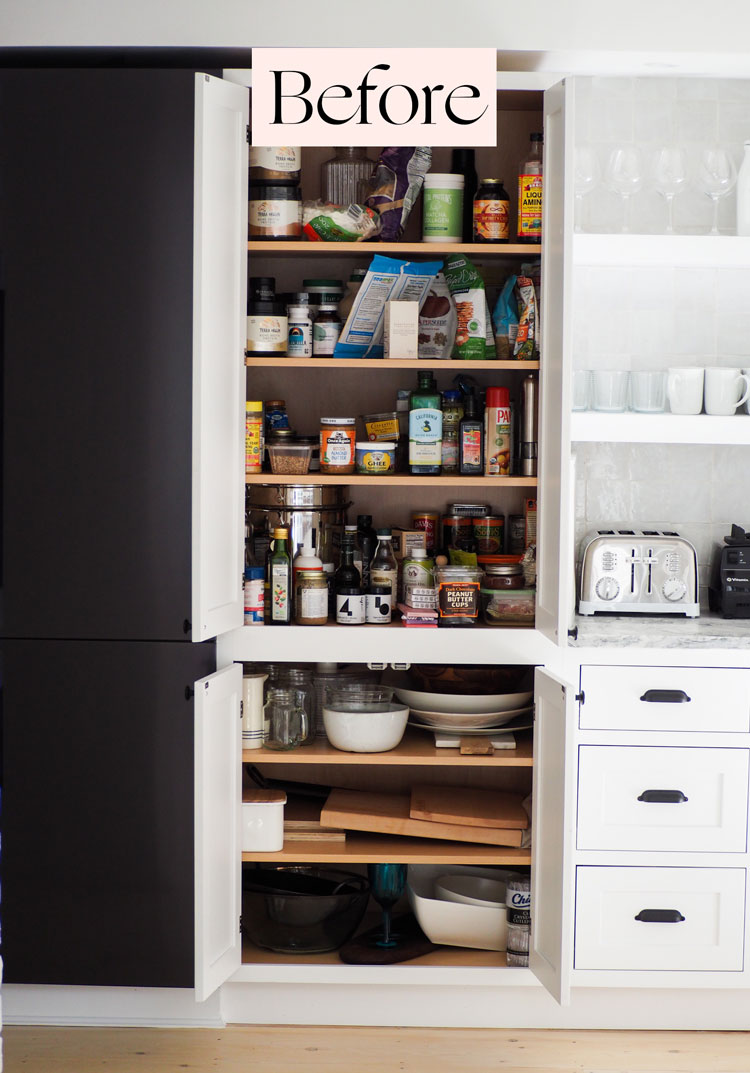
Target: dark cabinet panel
x=97, y=831
x=96, y=240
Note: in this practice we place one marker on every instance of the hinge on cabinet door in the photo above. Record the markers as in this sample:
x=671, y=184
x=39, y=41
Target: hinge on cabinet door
x=242, y=707
x=581, y=697
x=374, y=665
x=240, y=924
x=247, y=133
x=573, y=633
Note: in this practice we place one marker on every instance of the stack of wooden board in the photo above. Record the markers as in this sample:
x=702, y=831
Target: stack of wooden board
x=302, y=822
x=491, y=817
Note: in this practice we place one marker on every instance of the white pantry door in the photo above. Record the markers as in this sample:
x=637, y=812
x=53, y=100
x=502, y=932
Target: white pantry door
x=219, y=309
x=555, y=567
x=218, y=830
x=553, y=835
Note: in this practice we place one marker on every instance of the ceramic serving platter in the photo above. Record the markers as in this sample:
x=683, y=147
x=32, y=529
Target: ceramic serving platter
x=465, y=721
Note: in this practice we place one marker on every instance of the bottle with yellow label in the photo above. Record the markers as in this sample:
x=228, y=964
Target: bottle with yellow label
x=530, y=193
x=254, y=437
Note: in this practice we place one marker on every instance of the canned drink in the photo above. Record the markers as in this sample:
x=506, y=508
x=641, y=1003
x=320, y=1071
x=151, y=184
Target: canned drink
x=458, y=532
x=516, y=534
x=429, y=521
x=489, y=534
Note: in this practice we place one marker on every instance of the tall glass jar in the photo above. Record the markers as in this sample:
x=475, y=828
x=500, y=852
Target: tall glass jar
x=344, y=176
x=300, y=679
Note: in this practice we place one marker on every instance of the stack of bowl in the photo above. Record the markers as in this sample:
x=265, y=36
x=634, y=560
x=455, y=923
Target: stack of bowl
x=362, y=718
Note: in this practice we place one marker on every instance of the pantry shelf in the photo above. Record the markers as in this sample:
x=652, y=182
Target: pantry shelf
x=398, y=480
x=426, y=249
x=416, y=750
x=283, y=362
x=373, y=849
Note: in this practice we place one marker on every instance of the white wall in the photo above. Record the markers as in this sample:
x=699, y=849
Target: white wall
x=679, y=25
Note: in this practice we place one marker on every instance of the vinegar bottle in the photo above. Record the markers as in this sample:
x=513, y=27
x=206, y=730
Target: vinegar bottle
x=743, y=194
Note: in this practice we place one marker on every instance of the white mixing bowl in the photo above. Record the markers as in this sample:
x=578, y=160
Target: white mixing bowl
x=374, y=728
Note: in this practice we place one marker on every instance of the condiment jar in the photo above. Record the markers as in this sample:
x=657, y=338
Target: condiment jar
x=274, y=212
x=276, y=415
x=326, y=330
x=491, y=212
x=338, y=437
x=503, y=575
x=310, y=598
x=458, y=595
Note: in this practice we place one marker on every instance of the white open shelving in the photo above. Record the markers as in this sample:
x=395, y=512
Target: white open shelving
x=622, y=251
x=597, y=427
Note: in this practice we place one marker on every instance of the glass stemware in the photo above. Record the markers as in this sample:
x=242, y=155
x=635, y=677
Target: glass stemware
x=587, y=178
x=670, y=176
x=387, y=882
x=716, y=177
x=624, y=175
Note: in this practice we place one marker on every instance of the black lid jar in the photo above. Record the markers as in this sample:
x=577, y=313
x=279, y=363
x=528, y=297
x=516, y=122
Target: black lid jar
x=267, y=329
x=274, y=212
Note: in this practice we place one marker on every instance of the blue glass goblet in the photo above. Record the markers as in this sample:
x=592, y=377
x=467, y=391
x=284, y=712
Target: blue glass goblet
x=387, y=882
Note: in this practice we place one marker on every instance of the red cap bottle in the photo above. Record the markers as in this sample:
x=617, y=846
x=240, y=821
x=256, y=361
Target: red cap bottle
x=497, y=445
x=497, y=396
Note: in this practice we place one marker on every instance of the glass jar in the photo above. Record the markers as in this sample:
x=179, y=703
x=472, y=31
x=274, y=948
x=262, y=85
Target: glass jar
x=285, y=723
x=326, y=330
x=502, y=575
x=300, y=679
x=345, y=176
x=458, y=595
x=491, y=212
x=338, y=438
x=310, y=598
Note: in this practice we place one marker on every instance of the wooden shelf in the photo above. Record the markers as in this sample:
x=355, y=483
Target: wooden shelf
x=452, y=365
x=398, y=480
x=416, y=750
x=446, y=956
x=374, y=849
x=428, y=250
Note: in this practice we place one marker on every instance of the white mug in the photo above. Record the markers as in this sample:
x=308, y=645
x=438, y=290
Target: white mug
x=747, y=401
x=723, y=390
x=252, y=710
x=685, y=390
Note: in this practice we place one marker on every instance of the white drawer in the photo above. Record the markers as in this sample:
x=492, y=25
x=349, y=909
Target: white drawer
x=702, y=925
x=665, y=698
x=669, y=799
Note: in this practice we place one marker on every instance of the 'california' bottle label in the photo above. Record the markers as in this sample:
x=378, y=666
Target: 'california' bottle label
x=425, y=437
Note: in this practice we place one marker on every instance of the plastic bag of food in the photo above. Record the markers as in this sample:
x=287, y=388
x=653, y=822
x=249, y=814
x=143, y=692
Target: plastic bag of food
x=323, y=222
x=505, y=320
x=437, y=322
x=395, y=186
x=524, y=348
x=533, y=269
x=387, y=279
x=467, y=287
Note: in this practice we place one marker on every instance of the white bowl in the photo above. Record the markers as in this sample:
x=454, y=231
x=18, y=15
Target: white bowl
x=454, y=703
x=454, y=923
x=471, y=890
x=373, y=731
x=466, y=720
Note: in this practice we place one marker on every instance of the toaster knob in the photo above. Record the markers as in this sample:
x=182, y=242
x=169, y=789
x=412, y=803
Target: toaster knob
x=607, y=588
x=674, y=588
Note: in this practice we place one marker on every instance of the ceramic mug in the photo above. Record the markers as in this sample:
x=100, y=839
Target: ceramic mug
x=723, y=391
x=747, y=401
x=685, y=390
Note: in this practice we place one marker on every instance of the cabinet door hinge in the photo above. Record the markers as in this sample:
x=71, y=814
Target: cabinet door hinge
x=247, y=133
x=581, y=697
x=573, y=633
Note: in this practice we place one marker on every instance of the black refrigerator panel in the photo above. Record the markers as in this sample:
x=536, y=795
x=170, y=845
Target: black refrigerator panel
x=97, y=850
x=96, y=255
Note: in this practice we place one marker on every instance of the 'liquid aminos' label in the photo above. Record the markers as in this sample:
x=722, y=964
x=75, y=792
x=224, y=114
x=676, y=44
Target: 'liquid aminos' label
x=530, y=207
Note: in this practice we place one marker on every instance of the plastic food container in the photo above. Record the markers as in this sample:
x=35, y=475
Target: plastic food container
x=508, y=607
x=375, y=459
x=289, y=457
x=381, y=426
x=263, y=821
x=458, y=595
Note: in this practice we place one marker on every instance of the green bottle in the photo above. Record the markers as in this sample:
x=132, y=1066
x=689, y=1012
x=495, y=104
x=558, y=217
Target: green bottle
x=425, y=426
x=281, y=580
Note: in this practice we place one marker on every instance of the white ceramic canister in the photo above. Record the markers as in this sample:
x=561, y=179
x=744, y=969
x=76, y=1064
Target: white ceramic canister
x=263, y=821
x=252, y=710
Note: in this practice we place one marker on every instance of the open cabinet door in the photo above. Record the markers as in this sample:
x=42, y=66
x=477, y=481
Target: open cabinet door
x=218, y=832
x=219, y=308
x=555, y=567
x=553, y=835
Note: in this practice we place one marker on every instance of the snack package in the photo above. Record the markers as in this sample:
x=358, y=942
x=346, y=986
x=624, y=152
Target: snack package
x=525, y=344
x=533, y=269
x=395, y=186
x=467, y=287
x=322, y=222
x=505, y=320
x=437, y=322
x=387, y=279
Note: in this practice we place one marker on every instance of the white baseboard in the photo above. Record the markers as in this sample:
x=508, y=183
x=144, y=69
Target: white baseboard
x=123, y=1007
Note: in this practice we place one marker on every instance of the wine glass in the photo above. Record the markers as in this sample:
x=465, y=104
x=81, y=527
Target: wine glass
x=387, y=882
x=624, y=175
x=587, y=177
x=716, y=177
x=669, y=169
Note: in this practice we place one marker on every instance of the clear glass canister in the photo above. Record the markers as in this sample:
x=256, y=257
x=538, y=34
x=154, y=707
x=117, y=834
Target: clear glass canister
x=345, y=176
x=458, y=595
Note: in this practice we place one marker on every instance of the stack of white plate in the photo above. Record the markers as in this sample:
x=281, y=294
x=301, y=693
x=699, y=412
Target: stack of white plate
x=465, y=713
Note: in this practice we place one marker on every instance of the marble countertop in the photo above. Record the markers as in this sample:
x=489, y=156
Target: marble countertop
x=661, y=631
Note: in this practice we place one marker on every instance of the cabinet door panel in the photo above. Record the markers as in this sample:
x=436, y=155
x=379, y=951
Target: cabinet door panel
x=98, y=856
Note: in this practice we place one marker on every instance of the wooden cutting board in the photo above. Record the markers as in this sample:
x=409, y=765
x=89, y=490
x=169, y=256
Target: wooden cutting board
x=471, y=808
x=360, y=810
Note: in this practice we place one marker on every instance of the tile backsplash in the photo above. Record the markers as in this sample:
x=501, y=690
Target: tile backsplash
x=697, y=490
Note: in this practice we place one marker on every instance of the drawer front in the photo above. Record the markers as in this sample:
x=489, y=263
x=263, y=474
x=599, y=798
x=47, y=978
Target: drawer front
x=660, y=918
x=668, y=799
x=665, y=698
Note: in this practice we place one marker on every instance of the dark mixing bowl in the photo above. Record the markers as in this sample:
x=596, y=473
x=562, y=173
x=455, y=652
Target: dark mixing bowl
x=296, y=909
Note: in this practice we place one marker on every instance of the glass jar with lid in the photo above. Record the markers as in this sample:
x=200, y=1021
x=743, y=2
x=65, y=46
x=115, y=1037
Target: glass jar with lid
x=338, y=439
x=310, y=598
x=458, y=595
x=491, y=212
x=501, y=571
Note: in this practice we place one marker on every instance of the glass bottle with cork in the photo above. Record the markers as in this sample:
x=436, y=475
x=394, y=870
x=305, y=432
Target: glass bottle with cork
x=425, y=426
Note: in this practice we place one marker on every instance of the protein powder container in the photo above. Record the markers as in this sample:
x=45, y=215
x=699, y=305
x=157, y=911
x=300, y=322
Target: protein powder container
x=261, y=289
x=274, y=212
x=267, y=329
x=277, y=164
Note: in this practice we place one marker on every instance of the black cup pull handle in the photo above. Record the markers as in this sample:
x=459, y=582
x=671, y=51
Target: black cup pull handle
x=660, y=916
x=664, y=797
x=665, y=696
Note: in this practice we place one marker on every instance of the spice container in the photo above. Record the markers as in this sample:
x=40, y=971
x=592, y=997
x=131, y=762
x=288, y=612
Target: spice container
x=254, y=437
x=275, y=212
x=375, y=459
x=310, y=598
x=489, y=534
x=289, y=457
x=276, y=416
x=275, y=164
x=267, y=329
x=381, y=426
x=326, y=330
x=458, y=595
x=508, y=606
x=338, y=437
x=350, y=607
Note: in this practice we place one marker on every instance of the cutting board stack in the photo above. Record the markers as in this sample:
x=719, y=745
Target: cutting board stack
x=490, y=817
x=302, y=823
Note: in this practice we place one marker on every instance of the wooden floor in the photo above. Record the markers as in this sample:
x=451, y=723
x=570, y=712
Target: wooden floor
x=241, y=1049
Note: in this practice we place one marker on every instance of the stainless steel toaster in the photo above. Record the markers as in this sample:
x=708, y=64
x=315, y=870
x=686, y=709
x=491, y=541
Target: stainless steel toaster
x=638, y=570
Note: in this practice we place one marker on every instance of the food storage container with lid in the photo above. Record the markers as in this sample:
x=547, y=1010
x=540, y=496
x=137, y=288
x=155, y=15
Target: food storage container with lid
x=289, y=457
x=508, y=607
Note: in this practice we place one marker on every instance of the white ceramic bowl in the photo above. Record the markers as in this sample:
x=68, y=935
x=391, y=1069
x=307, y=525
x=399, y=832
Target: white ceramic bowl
x=465, y=720
x=471, y=890
x=472, y=703
x=375, y=730
x=454, y=923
